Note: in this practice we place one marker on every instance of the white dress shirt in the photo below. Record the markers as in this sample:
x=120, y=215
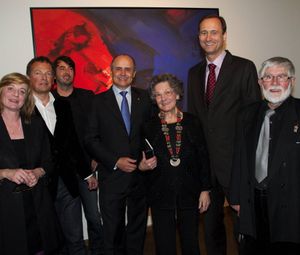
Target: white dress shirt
x=47, y=112
x=119, y=97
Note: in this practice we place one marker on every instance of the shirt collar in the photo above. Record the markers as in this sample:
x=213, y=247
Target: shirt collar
x=117, y=91
x=281, y=108
x=51, y=99
x=218, y=61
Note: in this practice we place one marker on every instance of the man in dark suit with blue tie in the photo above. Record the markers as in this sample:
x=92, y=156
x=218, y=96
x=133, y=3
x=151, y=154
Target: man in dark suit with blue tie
x=217, y=89
x=114, y=140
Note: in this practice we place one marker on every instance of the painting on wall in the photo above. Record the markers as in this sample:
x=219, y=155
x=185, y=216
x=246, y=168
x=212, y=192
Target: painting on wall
x=160, y=40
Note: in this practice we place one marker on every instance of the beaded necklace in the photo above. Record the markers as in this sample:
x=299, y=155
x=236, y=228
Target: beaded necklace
x=174, y=160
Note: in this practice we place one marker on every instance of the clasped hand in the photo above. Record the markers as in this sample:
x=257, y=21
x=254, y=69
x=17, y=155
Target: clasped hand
x=28, y=177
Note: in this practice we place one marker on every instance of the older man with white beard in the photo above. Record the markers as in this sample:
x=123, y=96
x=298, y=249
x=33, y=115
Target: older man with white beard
x=265, y=184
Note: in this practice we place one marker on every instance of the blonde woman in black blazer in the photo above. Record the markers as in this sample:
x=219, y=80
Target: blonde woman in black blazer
x=28, y=223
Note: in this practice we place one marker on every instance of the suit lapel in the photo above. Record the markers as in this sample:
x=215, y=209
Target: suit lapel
x=28, y=136
x=200, y=89
x=9, y=150
x=252, y=131
x=135, y=109
x=37, y=112
x=224, y=75
x=111, y=102
x=287, y=137
x=5, y=139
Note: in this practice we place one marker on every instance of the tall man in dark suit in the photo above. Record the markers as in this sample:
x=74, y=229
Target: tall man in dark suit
x=265, y=183
x=80, y=102
x=114, y=141
x=217, y=89
x=67, y=153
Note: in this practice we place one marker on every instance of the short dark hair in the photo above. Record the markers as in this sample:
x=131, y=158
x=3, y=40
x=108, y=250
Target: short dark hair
x=42, y=59
x=216, y=16
x=175, y=84
x=124, y=54
x=65, y=59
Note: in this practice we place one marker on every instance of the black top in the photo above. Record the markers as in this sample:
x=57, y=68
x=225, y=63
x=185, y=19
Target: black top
x=34, y=242
x=169, y=186
x=19, y=147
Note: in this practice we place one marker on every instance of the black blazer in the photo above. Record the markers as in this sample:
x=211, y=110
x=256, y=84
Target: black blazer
x=107, y=140
x=166, y=184
x=80, y=102
x=237, y=85
x=67, y=152
x=283, y=177
x=12, y=219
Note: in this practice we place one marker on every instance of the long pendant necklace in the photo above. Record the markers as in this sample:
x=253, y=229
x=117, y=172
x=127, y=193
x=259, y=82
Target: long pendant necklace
x=174, y=157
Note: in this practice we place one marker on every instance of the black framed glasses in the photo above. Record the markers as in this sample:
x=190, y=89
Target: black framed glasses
x=279, y=78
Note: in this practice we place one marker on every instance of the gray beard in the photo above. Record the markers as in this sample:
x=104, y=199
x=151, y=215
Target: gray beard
x=279, y=99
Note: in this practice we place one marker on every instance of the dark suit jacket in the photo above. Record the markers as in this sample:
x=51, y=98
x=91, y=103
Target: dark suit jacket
x=80, y=101
x=12, y=219
x=283, y=177
x=236, y=86
x=107, y=140
x=66, y=150
x=171, y=187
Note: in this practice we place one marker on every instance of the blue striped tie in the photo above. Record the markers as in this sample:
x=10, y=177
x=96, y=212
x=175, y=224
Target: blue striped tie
x=125, y=111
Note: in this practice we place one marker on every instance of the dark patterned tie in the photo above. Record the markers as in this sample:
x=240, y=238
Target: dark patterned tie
x=125, y=111
x=211, y=83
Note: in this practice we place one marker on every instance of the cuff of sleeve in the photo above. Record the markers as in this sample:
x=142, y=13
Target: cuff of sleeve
x=88, y=177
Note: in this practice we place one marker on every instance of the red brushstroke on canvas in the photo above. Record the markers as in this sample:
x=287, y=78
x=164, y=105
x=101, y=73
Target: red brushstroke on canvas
x=69, y=33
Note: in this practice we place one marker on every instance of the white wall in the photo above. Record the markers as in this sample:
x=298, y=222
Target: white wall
x=257, y=29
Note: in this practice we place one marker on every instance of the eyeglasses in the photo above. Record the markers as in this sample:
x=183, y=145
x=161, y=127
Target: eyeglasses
x=166, y=93
x=279, y=78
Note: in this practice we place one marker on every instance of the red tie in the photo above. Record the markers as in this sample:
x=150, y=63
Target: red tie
x=211, y=83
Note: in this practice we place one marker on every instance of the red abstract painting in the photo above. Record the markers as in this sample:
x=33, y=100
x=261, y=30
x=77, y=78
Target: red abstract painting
x=161, y=40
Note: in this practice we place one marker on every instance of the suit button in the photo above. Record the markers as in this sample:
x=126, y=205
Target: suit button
x=284, y=164
x=282, y=185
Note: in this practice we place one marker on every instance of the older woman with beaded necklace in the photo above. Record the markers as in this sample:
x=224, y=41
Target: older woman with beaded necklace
x=178, y=181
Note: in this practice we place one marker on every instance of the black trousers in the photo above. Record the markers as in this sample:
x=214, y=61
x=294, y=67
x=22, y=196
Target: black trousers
x=121, y=238
x=165, y=223
x=262, y=245
x=69, y=212
x=214, y=227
